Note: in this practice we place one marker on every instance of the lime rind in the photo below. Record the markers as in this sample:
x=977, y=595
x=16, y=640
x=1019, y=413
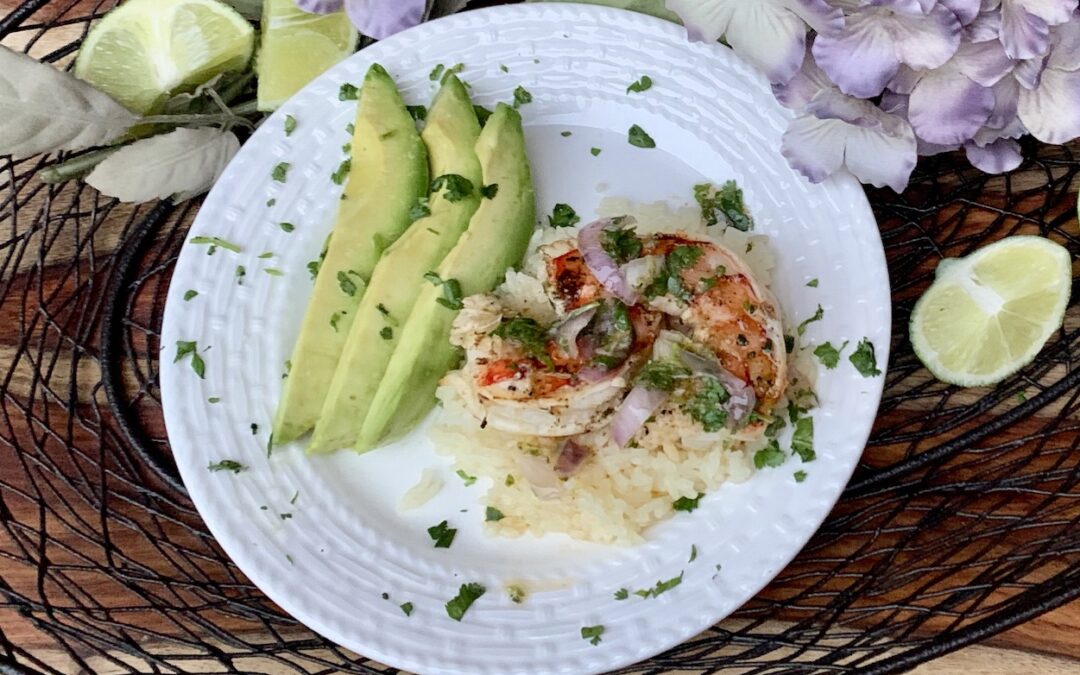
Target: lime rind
x=1033, y=335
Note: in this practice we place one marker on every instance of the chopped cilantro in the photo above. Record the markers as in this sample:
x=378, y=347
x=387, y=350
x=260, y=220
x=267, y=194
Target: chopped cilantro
x=348, y=92
x=522, y=97
x=296, y=495
x=502, y=67
x=566, y=134
x=254, y=428
x=348, y=286
x=183, y=348
x=829, y=355
x=864, y=360
x=489, y=191
x=687, y=504
x=387, y=333
x=800, y=476
x=453, y=70
x=493, y=515
x=622, y=594
x=313, y=268
x=596, y=152
x=644, y=84
x=442, y=534
x=350, y=128
x=813, y=283
x=516, y=593
x=621, y=243
x=789, y=343
x=280, y=173
x=421, y=209
x=270, y=202
x=802, y=443
x=466, y=478
x=241, y=272
x=467, y=595
x=661, y=587
x=662, y=375
x=188, y=295
x=407, y=608
x=273, y=271
x=290, y=125
x=563, y=216
x=482, y=114
x=592, y=634
x=509, y=480
x=775, y=425
x=528, y=334
x=334, y=319
x=723, y=204
x=342, y=172
x=214, y=399
x=771, y=455
x=818, y=316
x=457, y=187
x=285, y=516
x=638, y=138
x=287, y=227
x=226, y=465
x=418, y=112
x=705, y=408
x=693, y=553
x=437, y=73
x=266, y=255
x=216, y=241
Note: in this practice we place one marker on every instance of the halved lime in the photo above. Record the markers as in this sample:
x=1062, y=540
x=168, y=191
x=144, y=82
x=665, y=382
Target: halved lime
x=146, y=50
x=988, y=315
x=297, y=47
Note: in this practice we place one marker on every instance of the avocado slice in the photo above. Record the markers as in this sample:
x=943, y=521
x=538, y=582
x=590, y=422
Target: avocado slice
x=451, y=134
x=497, y=239
x=389, y=174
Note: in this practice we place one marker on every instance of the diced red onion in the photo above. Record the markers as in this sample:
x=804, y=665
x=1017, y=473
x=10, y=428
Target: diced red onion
x=638, y=406
x=542, y=479
x=321, y=6
x=603, y=266
x=567, y=332
x=571, y=455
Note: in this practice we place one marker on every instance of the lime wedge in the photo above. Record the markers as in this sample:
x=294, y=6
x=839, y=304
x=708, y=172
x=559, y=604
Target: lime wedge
x=297, y=47
x=987, y=316
x=146, y=50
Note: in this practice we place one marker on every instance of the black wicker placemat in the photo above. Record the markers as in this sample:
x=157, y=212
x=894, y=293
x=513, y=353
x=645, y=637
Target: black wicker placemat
x=962, y=519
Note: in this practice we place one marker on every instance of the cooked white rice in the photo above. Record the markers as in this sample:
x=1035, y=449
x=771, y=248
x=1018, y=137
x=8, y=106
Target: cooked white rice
x=620, y=492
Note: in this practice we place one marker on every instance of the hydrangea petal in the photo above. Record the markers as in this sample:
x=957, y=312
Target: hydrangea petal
x=1006, y=99
x=1065, y=52
x=1029, y=71
x=1050, y=111
x=1013, y=128
x=1053, y=12
x=965, y=10
x=1023, y=34
x=705, y=20
x=897, y=104
x=863, y=57
x=905, y=80
x=877, y=147
x=985, y=27
x=804, y=85
x=819, y=14
x=998, y=157
x=983, y=62
x=948, y=108
x=907, y=6
x=769, y=37
x=380, y=19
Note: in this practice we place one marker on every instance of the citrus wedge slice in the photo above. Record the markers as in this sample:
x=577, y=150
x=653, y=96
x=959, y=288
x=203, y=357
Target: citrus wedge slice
x=988, y=315
x=146, y=50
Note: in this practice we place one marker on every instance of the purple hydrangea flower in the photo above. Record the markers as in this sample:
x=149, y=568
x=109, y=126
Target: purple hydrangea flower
x=1051, y=109
x=374, y=18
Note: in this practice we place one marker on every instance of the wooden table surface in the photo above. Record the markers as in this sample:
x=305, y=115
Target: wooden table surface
x=1047, y=645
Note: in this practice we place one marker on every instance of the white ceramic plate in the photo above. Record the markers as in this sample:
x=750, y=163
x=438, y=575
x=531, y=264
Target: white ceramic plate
x=344, y=543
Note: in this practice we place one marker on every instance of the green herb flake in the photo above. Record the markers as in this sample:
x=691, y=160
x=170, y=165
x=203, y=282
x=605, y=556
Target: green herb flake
x=704, y=406
x=502, y=67
x=482, y=114
x=769, y=456
x=348, y=286
x=226, y=465
x=342, y=172
x=661, y=587
x=509, y=480
x=466, y=478
x=270, y=202
x=442, y=534
x=800, y=476
x=350, y=128
x=274, y=272
x=348, y=92
x=493, y=515
x=254, y=429
x=864, y=359
x=407, y=607
x=280, y=173
x=662, y=375
x=266, y=255
x=813, y=283
x=693, y=553
x=457, y=187
x=639, y=139
x=216, y=242
x=596, y=152
x=290, y=125
x=828, y=354
x=522, y=97
x=592, y=634
x=489, y=191
x=285, y=516
x=185, y=348
x=214, y=399
x=621, y=243
x=387, y=333
x=418, y=112
x=188, y=295
x=642, y=85
x=622, y=594
x=528, y=334
x=687, y=504
x=290, y=559
x=437, y=73
x=566, y=134
x=334, y=319
x=516, y=593
x=789, y=343
x=563, y=215
x=818, y=316
x=724, y=204
x=453, y=70
x=452, y=294
x=802, y=442
x=296, y=495
x=467, y=595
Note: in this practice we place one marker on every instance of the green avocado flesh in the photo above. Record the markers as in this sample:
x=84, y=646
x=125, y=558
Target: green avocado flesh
x=451, y=134
x=389, y=174
x=496, y=240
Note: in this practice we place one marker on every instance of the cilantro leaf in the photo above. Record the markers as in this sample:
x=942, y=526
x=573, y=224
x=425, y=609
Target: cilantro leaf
x=522, y=97
x=226, y=465
x=563, y=216
x=467, y=595
x=638, y=138
x=466, y=478
x=442, y=534
x=348, y=286
x=802, y=443
x=592, y=634
x=457, y=187
x=724, y=204
x=342, y=172
x=829, y=355
x=705, y=408
x=662, y=375
x=407, y=608
x=188, y=295
x=769, y=456
x=489, y=191
x=621, y=243
x=643, y=84
x=864, y=359
x=280, y=172
x=493, y=515
x=818, y=316
x=348, y=92
x=622, y=594
x=800, y=476
x=290, y=125
x=687, y=504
